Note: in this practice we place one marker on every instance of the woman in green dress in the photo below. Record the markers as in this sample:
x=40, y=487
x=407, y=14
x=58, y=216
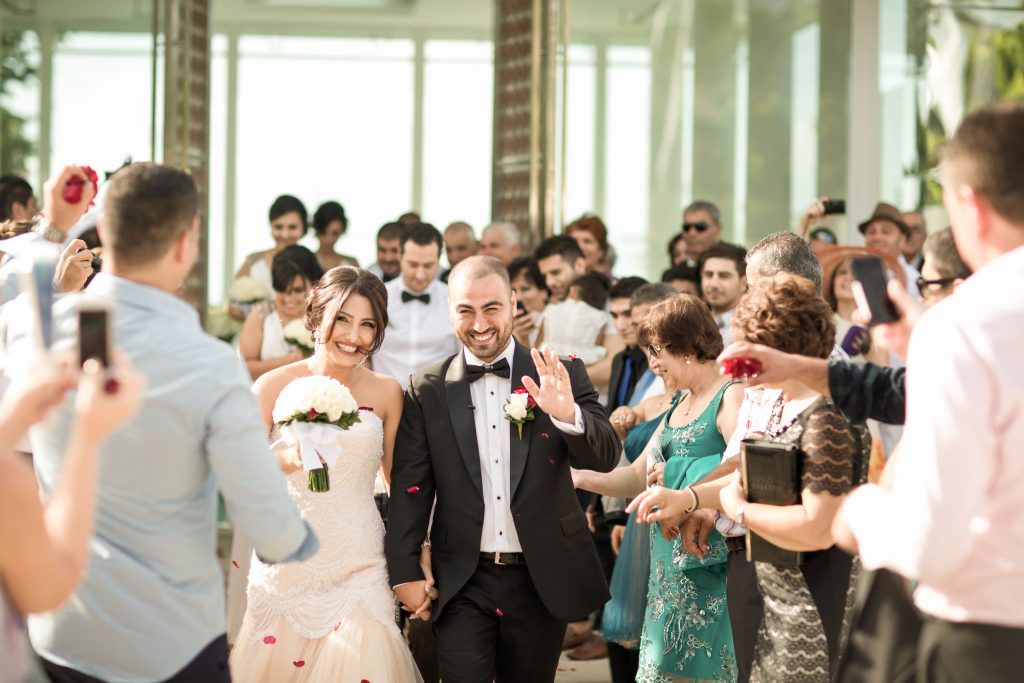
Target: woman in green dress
x=687, y=635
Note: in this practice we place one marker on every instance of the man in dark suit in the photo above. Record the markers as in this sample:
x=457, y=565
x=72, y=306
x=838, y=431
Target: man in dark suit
x=511, y=553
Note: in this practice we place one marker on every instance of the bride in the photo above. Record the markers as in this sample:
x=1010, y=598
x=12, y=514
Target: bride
x=332, y=618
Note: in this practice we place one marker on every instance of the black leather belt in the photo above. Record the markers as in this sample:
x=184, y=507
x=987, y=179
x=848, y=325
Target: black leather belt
x=736, y=544
x=504, y=558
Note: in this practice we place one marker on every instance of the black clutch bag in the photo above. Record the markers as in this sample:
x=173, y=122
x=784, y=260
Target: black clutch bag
x=771, y=476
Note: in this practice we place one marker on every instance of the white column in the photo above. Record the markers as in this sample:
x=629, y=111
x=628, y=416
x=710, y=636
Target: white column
x=864, y=129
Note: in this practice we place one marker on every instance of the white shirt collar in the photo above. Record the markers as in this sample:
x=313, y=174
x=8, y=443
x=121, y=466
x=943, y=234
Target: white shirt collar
x=506, y=354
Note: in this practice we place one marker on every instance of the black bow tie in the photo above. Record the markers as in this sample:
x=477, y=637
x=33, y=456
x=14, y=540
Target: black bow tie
x=408, y=296
x=475, y=372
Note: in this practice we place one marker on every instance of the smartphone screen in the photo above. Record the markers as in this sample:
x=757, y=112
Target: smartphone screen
x=93, y=336
x=870, y=279
x=520, y=308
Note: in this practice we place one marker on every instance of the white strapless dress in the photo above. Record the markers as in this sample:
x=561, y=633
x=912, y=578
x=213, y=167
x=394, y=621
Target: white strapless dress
x=332, y=617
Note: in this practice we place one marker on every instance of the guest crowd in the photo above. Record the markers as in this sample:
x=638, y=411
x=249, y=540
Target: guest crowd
x=898, y=557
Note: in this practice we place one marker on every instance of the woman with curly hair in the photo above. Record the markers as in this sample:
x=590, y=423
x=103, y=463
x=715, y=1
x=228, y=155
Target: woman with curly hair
x=804, y=606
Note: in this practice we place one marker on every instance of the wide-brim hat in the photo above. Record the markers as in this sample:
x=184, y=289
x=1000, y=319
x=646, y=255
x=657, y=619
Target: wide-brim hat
x=832, y=257
x=886, y=212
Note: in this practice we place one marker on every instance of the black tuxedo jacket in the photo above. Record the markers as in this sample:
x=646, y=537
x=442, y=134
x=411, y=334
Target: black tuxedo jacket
x=436, y=453
x=618, y=365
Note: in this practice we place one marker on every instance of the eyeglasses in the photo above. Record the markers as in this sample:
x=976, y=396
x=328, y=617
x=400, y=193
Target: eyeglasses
x=940, y=282
x=656, y=349
x=699, y=227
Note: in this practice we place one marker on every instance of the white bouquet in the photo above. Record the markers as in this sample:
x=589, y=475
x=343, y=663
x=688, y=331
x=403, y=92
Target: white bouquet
x=296, y=334
x=247, y=290
x=309, y=412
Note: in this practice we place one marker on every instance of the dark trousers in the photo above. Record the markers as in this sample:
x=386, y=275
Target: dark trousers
x=497, y=628
x=950, y=652
x=209, y=666
x=623, y=662
x=746, y=609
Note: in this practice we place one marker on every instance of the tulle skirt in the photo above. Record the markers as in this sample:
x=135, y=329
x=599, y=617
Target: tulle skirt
x=360, y=648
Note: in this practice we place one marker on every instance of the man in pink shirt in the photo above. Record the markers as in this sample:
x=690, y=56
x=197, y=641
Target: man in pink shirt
x=948, y=511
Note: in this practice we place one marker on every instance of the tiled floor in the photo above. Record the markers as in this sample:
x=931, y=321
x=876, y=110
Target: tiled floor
x=583, y=672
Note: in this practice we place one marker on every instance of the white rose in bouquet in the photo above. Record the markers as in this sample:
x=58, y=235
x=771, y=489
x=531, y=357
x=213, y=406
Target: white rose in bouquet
x=247, y=290
x=296, y=334
x=306, y=412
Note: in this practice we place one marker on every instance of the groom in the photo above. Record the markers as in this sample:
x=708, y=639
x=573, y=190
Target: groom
x=512, y=556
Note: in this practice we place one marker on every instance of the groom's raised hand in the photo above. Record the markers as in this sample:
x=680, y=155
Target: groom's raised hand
x=554, y=395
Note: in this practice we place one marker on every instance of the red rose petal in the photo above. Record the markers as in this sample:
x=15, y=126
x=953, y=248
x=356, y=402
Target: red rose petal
x=499, y=612
x=545, y=435
x=413, y=490
x=368, y=409
x=298, y=664
x=269, y=640
x=572, y=356
x=551, y=461
x=520, y=390
x=235, y=564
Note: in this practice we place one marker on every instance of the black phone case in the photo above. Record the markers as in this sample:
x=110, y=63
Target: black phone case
x=870, y=272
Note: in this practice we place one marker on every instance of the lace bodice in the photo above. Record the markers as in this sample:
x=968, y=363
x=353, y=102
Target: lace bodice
x=349, y=569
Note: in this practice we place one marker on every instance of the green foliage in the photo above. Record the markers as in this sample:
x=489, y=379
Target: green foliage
x=15, y=67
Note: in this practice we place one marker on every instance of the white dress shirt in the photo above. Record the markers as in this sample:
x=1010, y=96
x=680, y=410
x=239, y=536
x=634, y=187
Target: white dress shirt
x=953, y=518
x=417, y=335
x=493, y=434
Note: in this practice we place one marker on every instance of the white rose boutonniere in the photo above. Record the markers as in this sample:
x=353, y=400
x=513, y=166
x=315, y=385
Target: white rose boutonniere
x=519, y=408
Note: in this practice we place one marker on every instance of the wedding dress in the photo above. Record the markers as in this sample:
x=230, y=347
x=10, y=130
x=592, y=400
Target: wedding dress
x=332, y=617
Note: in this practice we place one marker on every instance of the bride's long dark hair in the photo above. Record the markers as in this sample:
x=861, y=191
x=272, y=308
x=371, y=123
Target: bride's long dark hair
x=335, y=287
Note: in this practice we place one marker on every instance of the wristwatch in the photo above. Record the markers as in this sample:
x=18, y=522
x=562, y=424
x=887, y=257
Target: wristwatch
x=48, y=231
x=739, y=514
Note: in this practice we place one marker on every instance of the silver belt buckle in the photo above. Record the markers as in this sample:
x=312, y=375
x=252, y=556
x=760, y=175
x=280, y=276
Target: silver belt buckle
x=497, y=559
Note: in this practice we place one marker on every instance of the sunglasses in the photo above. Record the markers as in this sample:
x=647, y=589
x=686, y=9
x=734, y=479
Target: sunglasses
x=699, y=227
x=656, y=349
x=940, y=282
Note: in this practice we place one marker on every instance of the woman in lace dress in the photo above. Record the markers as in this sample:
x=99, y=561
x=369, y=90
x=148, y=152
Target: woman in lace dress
x=331, y=618
x=687, y=636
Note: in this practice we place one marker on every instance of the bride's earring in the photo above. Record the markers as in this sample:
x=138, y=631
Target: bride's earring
x=316, y=337
x=366, y=357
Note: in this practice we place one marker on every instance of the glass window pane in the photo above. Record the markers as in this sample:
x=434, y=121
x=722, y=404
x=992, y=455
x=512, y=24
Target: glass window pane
x=627, y=155
x=457, y=120
x=113, y=72
x=215, y=267
x=315, y=121
x=581, y=122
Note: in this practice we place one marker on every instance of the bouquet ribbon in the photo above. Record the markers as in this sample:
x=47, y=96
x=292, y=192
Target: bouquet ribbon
x=316, y=441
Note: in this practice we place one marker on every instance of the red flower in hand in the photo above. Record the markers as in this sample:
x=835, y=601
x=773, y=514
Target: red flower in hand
x=76, y=184
x=530, y=403
x=312, y=414
x=742, y=368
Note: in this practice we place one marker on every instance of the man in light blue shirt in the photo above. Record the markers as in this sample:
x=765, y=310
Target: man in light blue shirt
x=151, y=604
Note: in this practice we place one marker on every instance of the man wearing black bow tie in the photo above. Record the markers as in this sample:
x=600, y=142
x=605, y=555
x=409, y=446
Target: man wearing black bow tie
x=512, y=558
x=419, y=331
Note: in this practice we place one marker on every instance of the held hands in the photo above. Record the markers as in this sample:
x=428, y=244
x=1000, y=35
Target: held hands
x=554, y=395
x=417, y=597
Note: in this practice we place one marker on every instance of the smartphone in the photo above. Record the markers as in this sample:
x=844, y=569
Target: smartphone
x=834, y=206
x=35, y=280
x=520, y=308
x=870, y=279
x=95, y=332
x=857, y=341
